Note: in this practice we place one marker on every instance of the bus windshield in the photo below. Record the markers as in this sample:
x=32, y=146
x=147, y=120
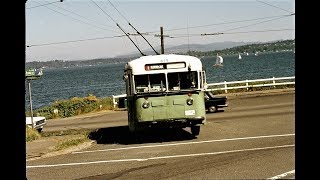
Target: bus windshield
x=150, y=82
x=177, y=81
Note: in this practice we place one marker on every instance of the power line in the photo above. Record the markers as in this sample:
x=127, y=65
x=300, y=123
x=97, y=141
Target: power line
x=83, y=17
x=255, y=23
x=271, y=30
x=223, y=33
x=79, y=20
x=127, y=34
x=174, y=36
x=229, y=22
x=44, y=4
x=275, y=7
x=72, y=41
x=218, y=33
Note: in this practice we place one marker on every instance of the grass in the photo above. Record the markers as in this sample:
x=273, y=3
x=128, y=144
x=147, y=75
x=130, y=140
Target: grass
x=80, y=137
x=64, y=144
x=84, y=132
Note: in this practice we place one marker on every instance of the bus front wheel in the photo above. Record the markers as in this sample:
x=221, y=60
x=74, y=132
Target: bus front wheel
x=195, y=130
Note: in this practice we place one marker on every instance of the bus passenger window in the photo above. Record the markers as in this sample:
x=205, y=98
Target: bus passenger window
x=186, y=83
x=182, y=80
x=174, y=81
x=157, y=82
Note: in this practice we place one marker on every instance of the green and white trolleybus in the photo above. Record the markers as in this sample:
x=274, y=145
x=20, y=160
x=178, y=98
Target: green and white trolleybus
x=165, y=90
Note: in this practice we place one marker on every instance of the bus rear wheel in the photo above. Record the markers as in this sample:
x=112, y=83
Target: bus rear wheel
x=195, y=130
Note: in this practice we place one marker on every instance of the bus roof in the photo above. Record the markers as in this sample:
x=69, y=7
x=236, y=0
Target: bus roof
x=138, y=65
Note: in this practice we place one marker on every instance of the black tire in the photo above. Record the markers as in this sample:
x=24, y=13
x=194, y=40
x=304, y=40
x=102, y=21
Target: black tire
x=195, y=130
x=39, y=130
x=212, y=109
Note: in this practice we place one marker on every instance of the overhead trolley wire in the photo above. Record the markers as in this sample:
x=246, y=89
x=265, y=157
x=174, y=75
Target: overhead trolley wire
x=240, y=32
x=72, y=41
x=223, y=32
x=255, y=23
x=275, y=6
x=43, y=4
x=229, y=22
x=119, y=27
x=79, y=20
x=150, y=33
x=134, y=28
x=182, y=35
x=84, y=17
x=123, y=18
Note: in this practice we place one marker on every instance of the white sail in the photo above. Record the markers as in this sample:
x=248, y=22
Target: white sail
x=239, y=56
x=219, y=61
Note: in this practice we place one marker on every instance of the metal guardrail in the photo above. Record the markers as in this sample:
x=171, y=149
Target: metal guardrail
x=245, y=84
x=117, y=97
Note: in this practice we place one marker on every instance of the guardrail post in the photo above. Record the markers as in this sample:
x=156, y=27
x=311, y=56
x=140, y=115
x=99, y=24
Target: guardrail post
x=247, y=84
x=113, y=101
x=274, y=82
x=225, y=86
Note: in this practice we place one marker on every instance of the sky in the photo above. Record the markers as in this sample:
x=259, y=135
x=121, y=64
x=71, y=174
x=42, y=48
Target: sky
x=90, y=29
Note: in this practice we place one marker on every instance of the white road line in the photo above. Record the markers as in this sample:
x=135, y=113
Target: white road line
x=282, y=175
x=160, y=157
x=187, y=143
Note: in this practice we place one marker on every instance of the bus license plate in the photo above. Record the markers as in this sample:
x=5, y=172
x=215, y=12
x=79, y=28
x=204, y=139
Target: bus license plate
x=190, y=112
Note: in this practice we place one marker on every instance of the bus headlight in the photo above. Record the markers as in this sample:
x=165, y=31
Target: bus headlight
x=189, y=101
x=145, y=104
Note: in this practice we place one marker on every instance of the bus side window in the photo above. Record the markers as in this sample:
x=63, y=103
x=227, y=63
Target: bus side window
x=188, y=80
x=141, y=83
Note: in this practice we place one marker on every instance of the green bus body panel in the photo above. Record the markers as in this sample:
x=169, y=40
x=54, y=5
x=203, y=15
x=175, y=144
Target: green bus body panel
x=157, y=103
x=168, y=107
x=179, y=101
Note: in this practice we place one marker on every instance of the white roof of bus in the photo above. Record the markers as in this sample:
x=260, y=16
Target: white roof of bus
x=137, y=65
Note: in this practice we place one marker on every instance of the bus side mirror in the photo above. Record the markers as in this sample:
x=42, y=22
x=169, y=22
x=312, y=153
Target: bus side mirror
x=125, y=77
x=189, y=67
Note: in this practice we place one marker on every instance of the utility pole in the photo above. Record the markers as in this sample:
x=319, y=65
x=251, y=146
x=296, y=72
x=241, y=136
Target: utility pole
x=31, y=74
x=30, y=101
x=162, y=38
x=162, y=44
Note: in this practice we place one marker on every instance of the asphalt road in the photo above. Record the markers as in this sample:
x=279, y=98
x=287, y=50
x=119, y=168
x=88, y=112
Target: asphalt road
x=253, y=138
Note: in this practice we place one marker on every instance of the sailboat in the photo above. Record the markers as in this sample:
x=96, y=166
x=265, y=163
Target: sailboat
x=219, y=61
x=239, y=57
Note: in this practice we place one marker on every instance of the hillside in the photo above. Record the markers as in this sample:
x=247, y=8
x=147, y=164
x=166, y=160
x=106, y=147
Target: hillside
x=223, y=48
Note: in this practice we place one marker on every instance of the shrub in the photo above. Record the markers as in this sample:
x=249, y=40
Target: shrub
x=31, y=134
x=75, y=106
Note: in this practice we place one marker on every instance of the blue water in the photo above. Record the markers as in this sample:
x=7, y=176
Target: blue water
x=106, y=80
